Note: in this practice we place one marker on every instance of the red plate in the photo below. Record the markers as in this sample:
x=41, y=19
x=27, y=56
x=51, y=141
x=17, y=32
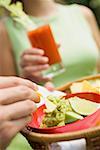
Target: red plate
x=88, y=122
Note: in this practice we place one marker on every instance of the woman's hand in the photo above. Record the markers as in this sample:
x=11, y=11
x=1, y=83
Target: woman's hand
x=33, y=63
x=17, y=97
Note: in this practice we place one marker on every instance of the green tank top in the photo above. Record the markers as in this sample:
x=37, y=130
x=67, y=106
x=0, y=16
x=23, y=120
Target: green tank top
x=19, y=143
x=78, y=49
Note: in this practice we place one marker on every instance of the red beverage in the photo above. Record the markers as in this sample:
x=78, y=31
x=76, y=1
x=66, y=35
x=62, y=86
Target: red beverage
x=42, y=38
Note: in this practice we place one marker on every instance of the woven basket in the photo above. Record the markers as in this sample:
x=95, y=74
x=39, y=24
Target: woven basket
x=66, y=87
x=41, y=141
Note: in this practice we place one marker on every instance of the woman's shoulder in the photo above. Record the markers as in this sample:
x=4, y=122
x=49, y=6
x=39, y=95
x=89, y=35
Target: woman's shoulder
x=72, y=10
x=79, y=12
x=68, y=7
x=87, y=12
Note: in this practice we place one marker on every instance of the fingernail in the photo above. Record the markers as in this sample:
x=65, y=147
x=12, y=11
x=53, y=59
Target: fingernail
x=46, y=65
x=35, y=87
x=46, y=59
x=42, y=52
x=34, y=107
x=39, y=94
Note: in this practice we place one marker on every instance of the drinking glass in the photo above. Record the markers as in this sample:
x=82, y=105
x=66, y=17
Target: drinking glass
x=42, y=38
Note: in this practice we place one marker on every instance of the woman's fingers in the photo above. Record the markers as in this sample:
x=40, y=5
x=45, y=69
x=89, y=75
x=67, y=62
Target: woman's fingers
x=21, y=123
x=6, y=82
x=33, y=60
x=33, y=51
x=10, y=129
x=18, y=110
x=16, y=102
x=49, y=86
x=16, y=94
x=32, y=69
x=40, y=78
x=27, y=83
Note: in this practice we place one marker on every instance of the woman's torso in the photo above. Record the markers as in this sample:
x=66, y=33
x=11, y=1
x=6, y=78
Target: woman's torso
x=78, y=49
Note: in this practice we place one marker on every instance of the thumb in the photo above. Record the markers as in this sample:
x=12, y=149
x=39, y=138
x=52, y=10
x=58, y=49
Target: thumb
x=49, y=86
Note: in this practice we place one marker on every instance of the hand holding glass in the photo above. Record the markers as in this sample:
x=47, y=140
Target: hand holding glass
x=42, y=38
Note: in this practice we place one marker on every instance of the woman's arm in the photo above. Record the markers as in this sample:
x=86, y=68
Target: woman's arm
x=94, y=27
x=7, y=63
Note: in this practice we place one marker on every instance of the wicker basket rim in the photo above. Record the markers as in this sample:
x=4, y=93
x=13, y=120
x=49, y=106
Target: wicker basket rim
x=87, y=133
x=62, y=88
